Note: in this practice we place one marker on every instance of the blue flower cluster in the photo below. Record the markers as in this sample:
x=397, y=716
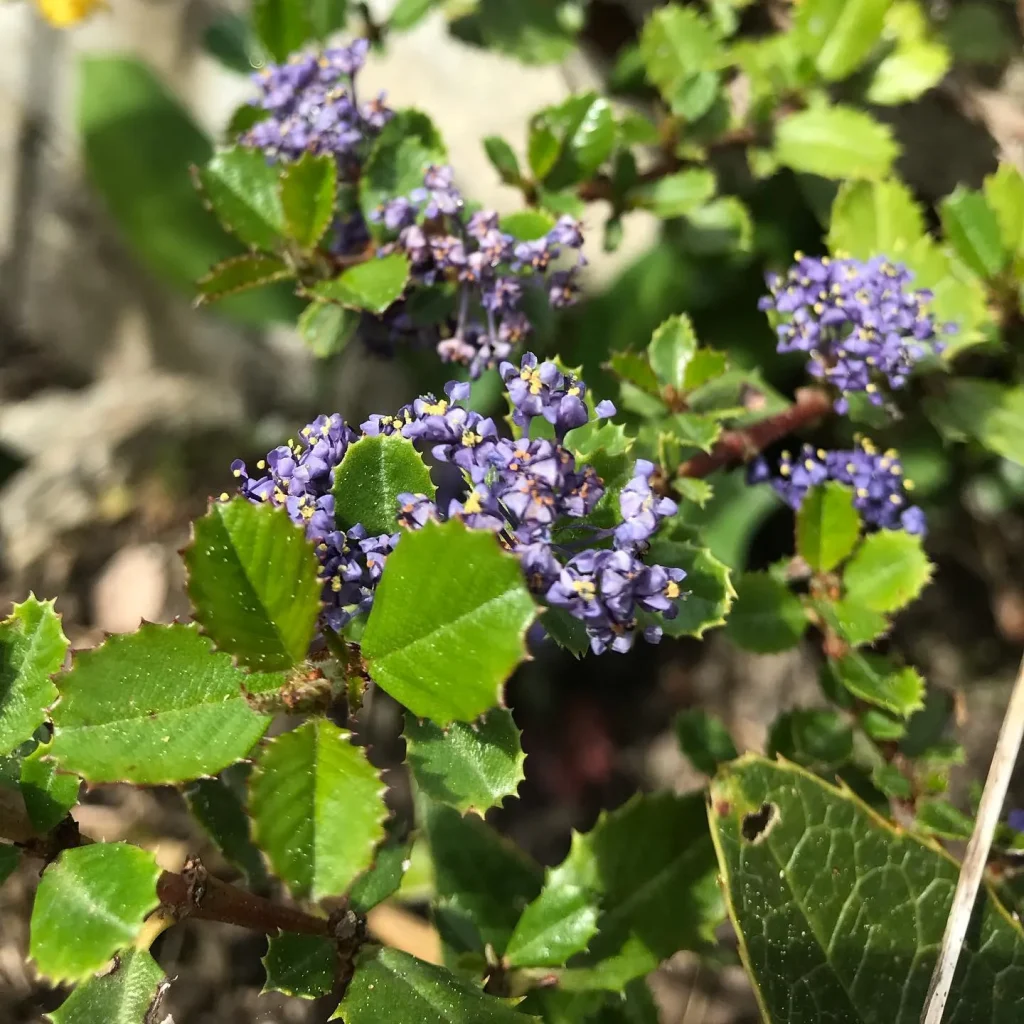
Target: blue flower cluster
x=861, y=323
x=312, y=106
x=487, y=266
x=525, y=490
x=880, y=490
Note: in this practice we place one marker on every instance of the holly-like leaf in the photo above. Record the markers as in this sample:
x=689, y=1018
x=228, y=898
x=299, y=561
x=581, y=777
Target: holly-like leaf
x=374, y=471
x=813, y=737
x=704, y=739
x=839, y=34
x=835, y=142
x=300, y=965
x=242, y=189
x=317, y=808
x=557, y=925
x=676, y=195
x=827, y=526
x=155, y=706
x=971, y=226
x=876, y=680
x=372, y=286
x=672, y=347
x=853, y=622
x=872, y=218
x=32, y=648
x=252, y=578
x=308, y=190
x=635, y=367
x=392, y=987
x=91, y=901
x=239, y=274
x=48, y=794
x=383, y=879
x=472, y=767
x=887, y=572
x=836, y=908
x=767, y=616
x=706, y=365
x=327, y=328
x=708, y=589
x=988, y=412
x=127, y=994
x=685, y=432
x=567, y=631
x=448, y=622
x=503, y=159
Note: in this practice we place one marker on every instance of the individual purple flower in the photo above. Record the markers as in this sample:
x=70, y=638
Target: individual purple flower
x=642, y=509
x=542, y=389
x=415, y=510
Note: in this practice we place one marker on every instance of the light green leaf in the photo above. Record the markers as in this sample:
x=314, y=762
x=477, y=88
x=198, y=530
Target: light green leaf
x=155, y=706
x=584, y=129
x=1004, y=192
x=813, y=737
x=327, y=328
x=983, y=410
x=708, y=590
x=767, y=616
x=887, y=572
x=373, y=285
x=239, y=274
x=681, y=53
x=704, y=739
x=855, y=623
x=908, y=72
x=472, y=767
x=242, y=188
x=557, y=925
x=970, y=225
x=127, y=994
x=672, y=347
x=254, y=584
x=91, y=901
x=839, y=34
x=383, y=879
x=284, y=26
x=391, y=987
x=542, y=147
x=443, y=642
x=503, y=159
x=941, y=818
x=48, y=794
x=300, y=965
x=675, y=195
x=835, y=142
x=308, y=190
x=875, y=679
x=374, y=471
x=827, y=526
x=836, y=908
x=872, y=218
x=32, y=648
x=408, y=13
x=527, y=225
x=635, y=367
x=317, y=809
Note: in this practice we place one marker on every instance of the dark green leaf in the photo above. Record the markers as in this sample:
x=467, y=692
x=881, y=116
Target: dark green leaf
x=672, y=347
x=839, y=35
x=91, y=902
x=941, y=818
x=228, y=39
x=285, y=26
x=374, y=471
x=127, y=994
x=327, y=328
x=317, y=808
x=720, y=227
x=767, y=616
x=300, y=965
x=708, y=590
x=472, y=767
x=308, y=190
x=704, y=739
x=243, y=190
x=10, y=856
x=530, y=30
x=373, y=285
x=676, y=195
x=683, y=433
x=503, y=159
x=542, y=147
x=49, y=795
x=584, y=128
x=383, y=879
x=881, y=727
x=526, y=225
x=253, y=583
x=874, y=679
x=972, y=228
x=239, y=274
x=566, y=630
x=887, y=572
x=814, y=738
x=890, y=781
x=155, y=706
x=990, y=413
x=448, y=622
x=32, y=648
x=835, y=142
x=636, y=368
x=827, y=526
x=557, y=925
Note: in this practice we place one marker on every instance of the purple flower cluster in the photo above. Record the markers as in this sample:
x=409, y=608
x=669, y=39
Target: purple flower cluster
x=880, y=491
x=861, y=323
x=487, y=266
x=312, y=106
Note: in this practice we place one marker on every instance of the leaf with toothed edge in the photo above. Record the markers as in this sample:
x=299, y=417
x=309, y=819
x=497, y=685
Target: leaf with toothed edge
x=48, y=794
x=373, y=285
x=127, y=994
x=254, y=584
x=240, y=273
x=308, y=188
x=91, y=901
x=707, y=590
x=155, y=706
x=317, y=809
x=242, y=188
x=887, y=571
x=472, y=766
x=557, y=925
x=300, y=965
x=383, y=879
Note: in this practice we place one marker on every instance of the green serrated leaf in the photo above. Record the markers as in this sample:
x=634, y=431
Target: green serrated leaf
x=672, y=347
x=374, y=471
x=681, y=53
x=91, y=901
x=443, y=643
x=472, y=767
x=242, y=189
x=941, y=818
x=372, y=286
x=503, y=159
x=300, y=965
x=704, y=739
x=909, y=71
x=317, y=809
x=636, y=368
x=686, y=432
x=835, y=142
x=557, y=925
x=254, y=584
x=988, y=412
x=676, y=195
x=309, y=187
x=125, y=995
x=872, y=218
x=839, y=34
x=327, y=328
x=767, y=616
x=155, y=706
x=853, y=622
x=527, y=225
x=707, y=588
x=533, y=31
x=566, y=630
x=887, y=572
x=1004, y=192
x=827, y=526
x=383, y=879
x=875, y=679
x=392, y=987
x=705, y=366
x=971, y=226
x=814, y=738
x=32, y=648
x=48, y=794
x=239, y=274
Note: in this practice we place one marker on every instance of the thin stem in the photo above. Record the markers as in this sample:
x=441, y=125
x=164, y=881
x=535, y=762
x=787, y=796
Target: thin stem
x=973, y=868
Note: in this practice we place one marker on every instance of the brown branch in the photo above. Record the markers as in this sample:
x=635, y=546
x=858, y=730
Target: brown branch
x=740, y=445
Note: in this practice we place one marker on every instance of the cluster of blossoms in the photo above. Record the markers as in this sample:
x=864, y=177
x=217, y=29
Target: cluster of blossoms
x=487, y=267
x=880, y=491
x=860, y=322
x=527, y=491
x=312, y=106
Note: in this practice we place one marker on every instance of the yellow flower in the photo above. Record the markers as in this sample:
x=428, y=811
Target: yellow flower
x=63, y=13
